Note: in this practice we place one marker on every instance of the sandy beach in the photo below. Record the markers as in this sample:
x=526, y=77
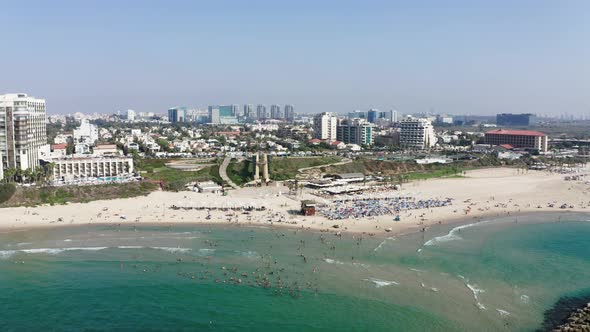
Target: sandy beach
x=479, y=194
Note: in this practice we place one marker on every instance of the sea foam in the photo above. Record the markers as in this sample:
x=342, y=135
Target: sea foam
x=451, y=236
x=172, y=249
x=381, y=283
x=383, y=242
x=476, y=291
x=503, y=313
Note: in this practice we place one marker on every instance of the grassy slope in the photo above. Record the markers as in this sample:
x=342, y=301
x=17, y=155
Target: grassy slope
x=240, y=172
x=6, y=191
x=280, y=168
x=155, y=169
x=32, y=196
x=283, y=168
x=410, y=169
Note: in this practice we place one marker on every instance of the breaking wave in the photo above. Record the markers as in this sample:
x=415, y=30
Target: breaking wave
x=55, y=251
x=476, y=291
x=381, y=283
x=383, y=242
x=206, y=251
x=451, y=236
x=503, y=313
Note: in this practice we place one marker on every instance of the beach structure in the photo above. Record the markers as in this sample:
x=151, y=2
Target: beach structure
x=349, y=177
x=261, y=162
x=22, y=130
x=308, y=207
x=208, y=187
x=525, y=139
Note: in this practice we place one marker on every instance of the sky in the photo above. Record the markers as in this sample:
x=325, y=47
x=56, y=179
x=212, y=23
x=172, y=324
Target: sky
x=456, y=57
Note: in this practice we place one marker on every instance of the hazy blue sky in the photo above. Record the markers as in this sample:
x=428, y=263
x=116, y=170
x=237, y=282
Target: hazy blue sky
x=478, y=57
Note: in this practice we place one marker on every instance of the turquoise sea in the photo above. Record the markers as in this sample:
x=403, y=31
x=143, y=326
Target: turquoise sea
x=496, y=275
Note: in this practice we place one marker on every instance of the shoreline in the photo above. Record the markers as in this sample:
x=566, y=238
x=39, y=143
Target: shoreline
x=451, y=224
x=482, y=194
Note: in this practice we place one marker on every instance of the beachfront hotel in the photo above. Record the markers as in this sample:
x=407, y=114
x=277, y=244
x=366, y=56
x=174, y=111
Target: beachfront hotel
x=416, y=133
x=525, y=139
x=22, y=130
x=86, y=168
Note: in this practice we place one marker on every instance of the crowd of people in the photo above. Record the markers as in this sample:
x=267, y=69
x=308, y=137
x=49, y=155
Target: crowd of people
x=361, y=208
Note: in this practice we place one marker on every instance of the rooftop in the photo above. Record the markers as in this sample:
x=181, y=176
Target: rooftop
x=516, y=132
x=59, y=146
x=105, y=147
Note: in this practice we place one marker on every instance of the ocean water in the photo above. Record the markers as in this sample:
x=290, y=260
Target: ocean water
x=495, y=275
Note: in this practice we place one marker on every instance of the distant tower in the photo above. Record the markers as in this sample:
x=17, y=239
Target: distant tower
x=256, y=168
x=261, y=162
x=265, y=168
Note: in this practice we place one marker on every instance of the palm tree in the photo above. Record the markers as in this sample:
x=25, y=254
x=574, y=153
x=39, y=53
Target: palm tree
x=18, y=175
x=48, y=171
x=27, y=175
x=9, y=175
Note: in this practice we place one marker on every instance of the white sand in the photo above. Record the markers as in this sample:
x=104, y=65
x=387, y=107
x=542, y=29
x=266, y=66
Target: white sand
x=491, y=192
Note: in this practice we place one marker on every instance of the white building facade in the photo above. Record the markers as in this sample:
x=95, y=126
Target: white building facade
x=130, y=115
x=416, y=133
x=86, y=133
x=23, y=130
x=324, y=126
x=81, y=168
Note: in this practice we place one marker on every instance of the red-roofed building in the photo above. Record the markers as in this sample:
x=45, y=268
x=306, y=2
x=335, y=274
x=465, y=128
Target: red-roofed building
x=59, y=150
x=526, y=139
x=315, y=141
x=55, y=147
x=338, y=145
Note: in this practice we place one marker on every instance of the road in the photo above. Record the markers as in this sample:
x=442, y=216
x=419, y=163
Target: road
x=223, y=173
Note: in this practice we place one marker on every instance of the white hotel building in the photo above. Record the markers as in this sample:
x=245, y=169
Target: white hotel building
x=22, y=130
x=416, y=134
x=84, y=168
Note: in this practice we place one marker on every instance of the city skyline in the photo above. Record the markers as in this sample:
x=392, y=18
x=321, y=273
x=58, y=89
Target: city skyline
x=460, y=58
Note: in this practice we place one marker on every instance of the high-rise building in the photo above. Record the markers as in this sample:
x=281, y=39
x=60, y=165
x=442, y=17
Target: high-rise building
x=214, y=115
x=324, y=126
x=235, y=110
x=372, y=115
x=358, y=115
x=23, y=130
x=355, y=131
x=509, y=119
x=275, y=112
x=261, y=112
x=131, y=115
x=223, y=114
x=249, y=111
x=389, y=116
x=289, y=113
x=416, y=133
x=177, y=114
